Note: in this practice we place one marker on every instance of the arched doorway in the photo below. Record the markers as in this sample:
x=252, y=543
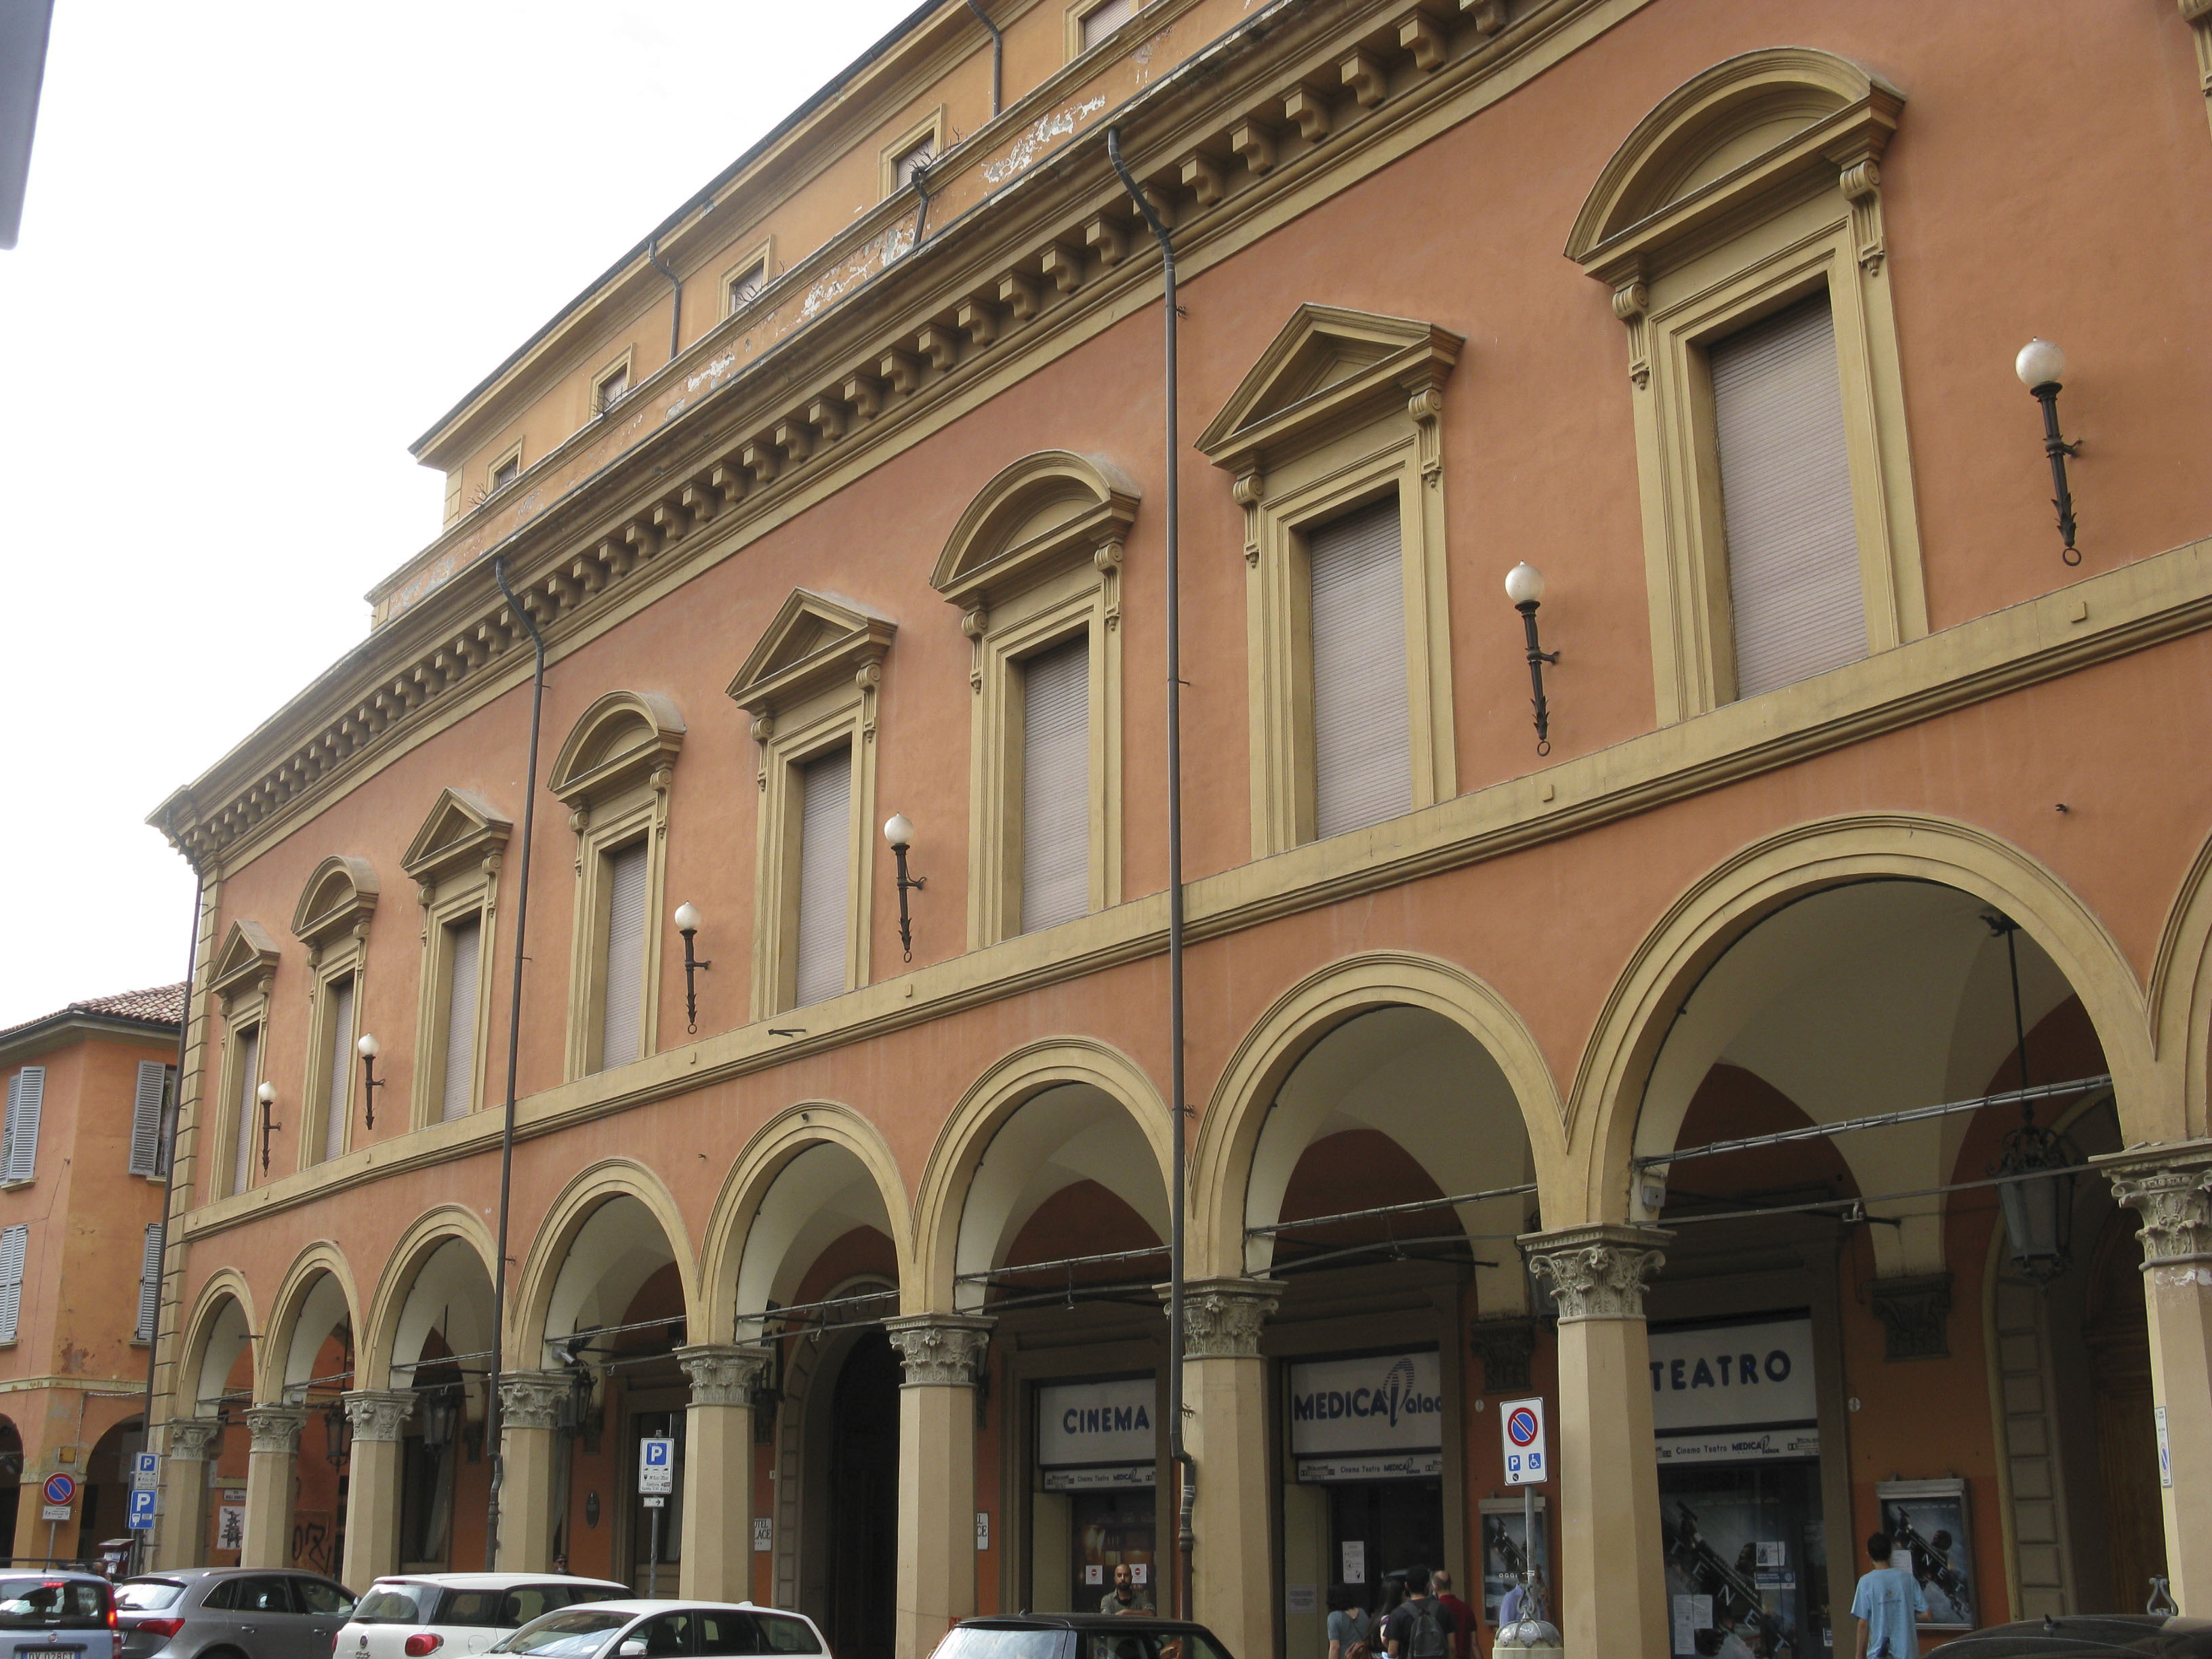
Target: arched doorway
x=441, y=1344
x=864, y=1472
x=1822, y=1128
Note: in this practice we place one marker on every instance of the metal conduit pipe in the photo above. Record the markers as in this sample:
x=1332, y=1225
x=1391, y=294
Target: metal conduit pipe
x=165, y=1152
x=998, y=53
x=675, y=319
x=921, y=215
x=1177, y=1108
x=513, y=1051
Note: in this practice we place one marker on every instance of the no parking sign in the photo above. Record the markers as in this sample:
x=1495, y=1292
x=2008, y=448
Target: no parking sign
x=59, y=1492
x=1522, y=1421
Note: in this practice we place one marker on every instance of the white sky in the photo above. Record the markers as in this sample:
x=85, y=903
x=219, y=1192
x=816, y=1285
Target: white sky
x=265, y=244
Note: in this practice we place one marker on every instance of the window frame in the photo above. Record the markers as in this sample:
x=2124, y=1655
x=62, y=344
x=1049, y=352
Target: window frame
x=762, y=259
x=455, y=858
x=617, y=793
x=244, y=972
x=1300, y=460
x=1018, y=598
x=510, y=456
x=1079, y=13
x=597, y=404
x=812, y=683
x=930, y=127
x=1690, y=263
x=332, y=921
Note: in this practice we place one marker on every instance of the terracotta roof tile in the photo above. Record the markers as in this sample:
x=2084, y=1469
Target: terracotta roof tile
x=161, y=1004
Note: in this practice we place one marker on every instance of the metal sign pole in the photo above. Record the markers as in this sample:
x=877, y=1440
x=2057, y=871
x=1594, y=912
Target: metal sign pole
x=653, y=1564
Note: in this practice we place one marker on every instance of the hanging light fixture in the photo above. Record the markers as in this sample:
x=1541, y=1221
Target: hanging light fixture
x=337, y=1433
x=441, y=1407
x=2036, y=1199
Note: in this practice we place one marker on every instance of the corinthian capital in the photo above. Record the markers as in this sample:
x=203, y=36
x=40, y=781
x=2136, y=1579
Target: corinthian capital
x=941, y=1351
x=194, y=1438
x=532, y=1400
x=1221, y=1317
x=2170, y=1189
x=724, y=1375
x=1597, y=1272
x=376, y=1414
x=276, y=1428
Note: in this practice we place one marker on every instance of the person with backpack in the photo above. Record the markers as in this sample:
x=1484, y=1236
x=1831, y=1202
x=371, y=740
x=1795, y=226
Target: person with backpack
x=1422, y=1626
x=1888, y=1604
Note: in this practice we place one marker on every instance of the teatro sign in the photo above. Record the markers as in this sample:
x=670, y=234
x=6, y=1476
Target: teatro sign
x=1740, y=1390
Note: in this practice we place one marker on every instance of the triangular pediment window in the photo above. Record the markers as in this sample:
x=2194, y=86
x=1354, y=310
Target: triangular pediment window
x=462, y=829
x=816, y=640
x=248, y=960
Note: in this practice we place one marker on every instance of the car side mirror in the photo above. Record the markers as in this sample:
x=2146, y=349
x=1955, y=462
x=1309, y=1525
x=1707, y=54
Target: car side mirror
x=632, y=1649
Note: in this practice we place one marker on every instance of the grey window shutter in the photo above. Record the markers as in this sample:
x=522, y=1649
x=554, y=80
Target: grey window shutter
x=8, y=1134
x=1104, y=21
x=146, y=1109
x=150, y=1282
x=826, y=832
x=15, y=1245
x=623, y=1023
x=340, y=1077
x=1793, y=549
x=1055, y=853
x=456, y=1090
x=1363, y=740
x=23, y=1123
x=249, y=1074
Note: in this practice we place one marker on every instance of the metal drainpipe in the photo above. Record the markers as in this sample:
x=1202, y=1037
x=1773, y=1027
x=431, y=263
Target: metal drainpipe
x=165, y=1150
x=998, y=52
x=1179, y=1110
x=513, y=1048
x=675, y=320
x=920, y=177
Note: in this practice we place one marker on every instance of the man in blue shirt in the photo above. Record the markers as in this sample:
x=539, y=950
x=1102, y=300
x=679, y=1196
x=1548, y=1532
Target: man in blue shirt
x=1888, y=1604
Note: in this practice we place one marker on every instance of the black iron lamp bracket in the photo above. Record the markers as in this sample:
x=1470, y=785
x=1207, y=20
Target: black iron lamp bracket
x=692, y=968
x=906, y=920
x=370, y=1083
x=1537, y=658
x=2059, y=451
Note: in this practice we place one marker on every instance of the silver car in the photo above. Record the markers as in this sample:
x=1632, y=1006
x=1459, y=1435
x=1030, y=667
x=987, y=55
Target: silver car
x=61, y=1614
x=231, y=1612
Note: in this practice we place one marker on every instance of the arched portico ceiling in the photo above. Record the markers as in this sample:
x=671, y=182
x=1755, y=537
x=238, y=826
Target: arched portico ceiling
x=1435, y=1090
x=1869, y=998
x=1070, y=1133
x=224, y=1331
x=820, y=1193
x=619, y=1247
x=321, y=1314
x=451, y=1296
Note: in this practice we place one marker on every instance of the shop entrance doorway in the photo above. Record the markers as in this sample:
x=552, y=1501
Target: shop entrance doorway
x=1106, y=1530
x=1378, y=1527
x=863, y=1461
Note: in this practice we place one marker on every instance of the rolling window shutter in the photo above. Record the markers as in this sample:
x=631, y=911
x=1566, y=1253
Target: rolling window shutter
x=30, y=1090
x=1104, y=21
x=15, y=1243
x=1793, y=550
x=624, y=1020
x=146, y=1108
x=457, y=1092
x=249, y=1074
x=825, y=811
x=1362, y=741
x=334, y=1122
x=1056, y=785
x=150, y=1282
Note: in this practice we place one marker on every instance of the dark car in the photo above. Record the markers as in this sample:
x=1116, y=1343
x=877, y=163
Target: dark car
x=1079, y=1635
x=57, y=1615
x=231, y=1612
x=2152, y=1635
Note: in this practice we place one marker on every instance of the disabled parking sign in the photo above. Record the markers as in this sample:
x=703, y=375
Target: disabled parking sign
x=1525, y=1463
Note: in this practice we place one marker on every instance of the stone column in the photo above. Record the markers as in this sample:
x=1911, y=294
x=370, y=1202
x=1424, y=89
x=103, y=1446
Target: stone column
x=718, y=1477
x=942, y=1352
x=1224, y=1384
x=374, y=1468
x=193, y=1443
x=275, y=1432
x=2170, y=1187
x=1609, y=1594
x=529, y=1413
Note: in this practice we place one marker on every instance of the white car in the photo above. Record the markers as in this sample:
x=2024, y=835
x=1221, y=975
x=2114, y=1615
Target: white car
x=449, y=1616
x=665, y=1630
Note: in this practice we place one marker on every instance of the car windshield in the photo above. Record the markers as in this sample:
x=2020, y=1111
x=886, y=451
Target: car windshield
x=573, y=1635
x=971, y=1644
x=393, y=1604
x=38, y=1602
x=147, y=1595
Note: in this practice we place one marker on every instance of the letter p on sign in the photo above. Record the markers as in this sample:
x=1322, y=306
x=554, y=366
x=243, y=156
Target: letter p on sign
x=1527, y=1461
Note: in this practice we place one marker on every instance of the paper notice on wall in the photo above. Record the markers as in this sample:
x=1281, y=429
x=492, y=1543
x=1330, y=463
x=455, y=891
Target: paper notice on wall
x=1692, y=1614
x=1355, y=1560
x=763, y=1535
x=1298, y=1601
x=230, y=1526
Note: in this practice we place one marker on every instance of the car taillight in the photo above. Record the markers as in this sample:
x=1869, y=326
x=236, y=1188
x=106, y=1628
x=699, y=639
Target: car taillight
x=164, y=1628
x=424, y=1645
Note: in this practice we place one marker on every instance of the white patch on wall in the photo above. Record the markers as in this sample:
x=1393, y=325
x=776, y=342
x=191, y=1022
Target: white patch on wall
x=1026, y=148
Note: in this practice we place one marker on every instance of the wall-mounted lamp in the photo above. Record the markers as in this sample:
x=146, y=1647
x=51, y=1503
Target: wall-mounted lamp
x=2041, y=366
x=687, y=923
x=1524, y=587
x=368, y=1047
x=898, y=830
x=266, y=1094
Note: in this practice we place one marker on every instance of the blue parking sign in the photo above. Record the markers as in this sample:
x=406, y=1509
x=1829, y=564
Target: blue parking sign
x=141, y=1511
